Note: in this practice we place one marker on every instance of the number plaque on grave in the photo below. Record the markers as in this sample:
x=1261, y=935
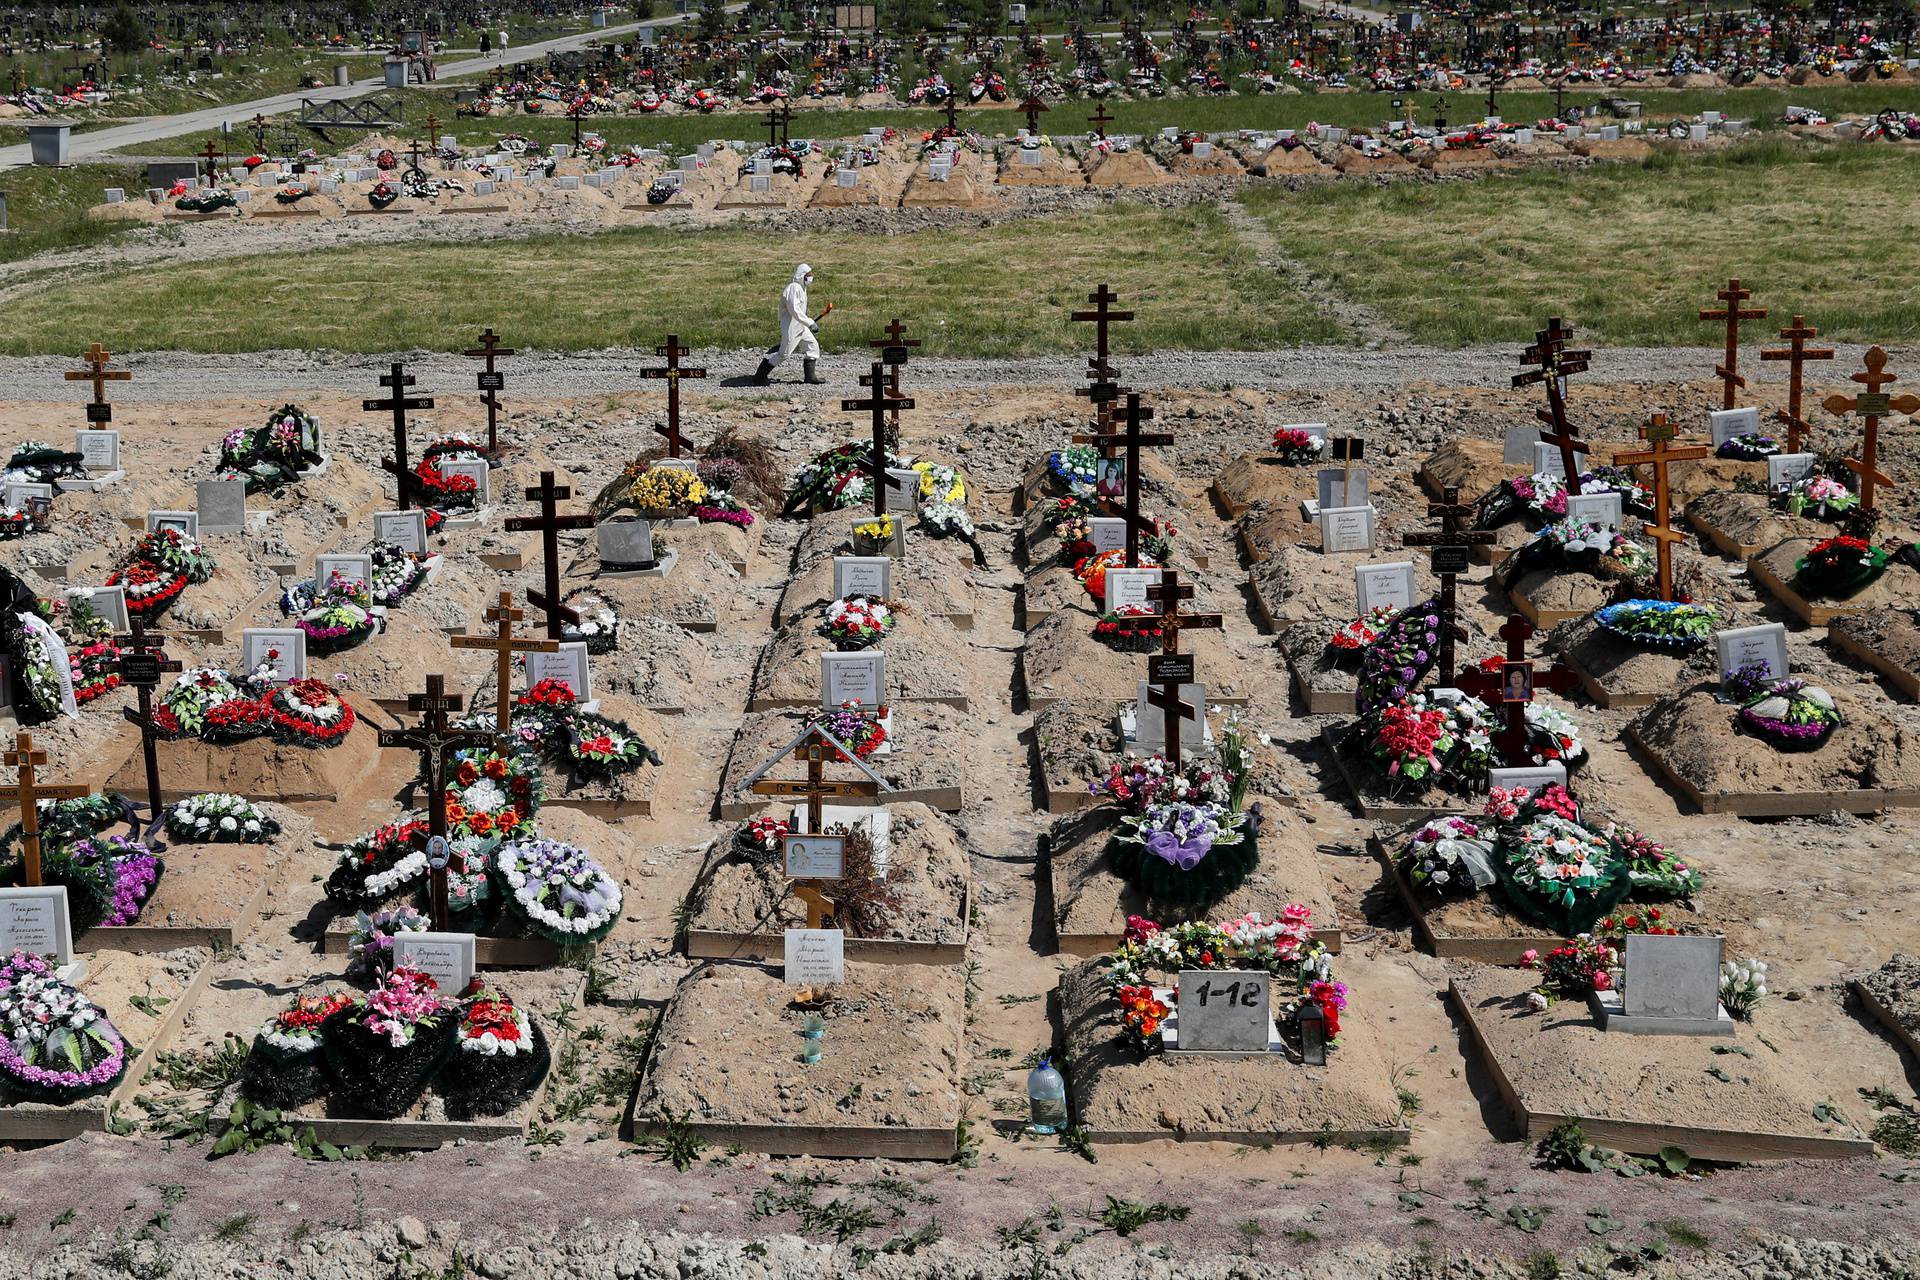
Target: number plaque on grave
x=1225, y=1011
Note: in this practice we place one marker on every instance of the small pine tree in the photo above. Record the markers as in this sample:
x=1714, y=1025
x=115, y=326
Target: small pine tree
x=123, y=32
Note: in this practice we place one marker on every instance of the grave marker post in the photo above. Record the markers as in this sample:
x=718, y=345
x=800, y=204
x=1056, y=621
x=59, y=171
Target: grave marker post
x=1511, y=741
x=398, y=404
x=878, y=404
x=99, y=372
x=672, y=375
x=433, y=737
x=1872, y=405
x=1131, y=439
x=1658, y=432
x=491, y=381
x=30, y=791
x=1451, y=546
x=1100, y=120
x=140, y=662
x=504, y=645
x=1034, y=109
x=894, y=349
x=548, y=524
x=1796, y=353
x=1556, y=363
x=1102, y=390
x=1733, y=313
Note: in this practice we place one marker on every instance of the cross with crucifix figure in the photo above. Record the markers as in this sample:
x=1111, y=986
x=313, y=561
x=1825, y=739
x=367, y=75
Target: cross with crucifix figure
x=98, y=372
x=1556, y=363
x=878, y=404
x=212, y=156
x=894, y=349
x=1733, y=313
x=672, y=374
x=504, y=645
x=1796, y=353
x=549, y=523
x=491, y=382
x=398, y=403
x=1452, y=546
x=1658, y=432
x=140, y=662
x=433, y=737
x=1034, y=108
x=1104, y=388
x=1100, y=120
x=29, y=791
x=816, y=790
x=1513, y=686
x=1131, y=438
x=1872, y=405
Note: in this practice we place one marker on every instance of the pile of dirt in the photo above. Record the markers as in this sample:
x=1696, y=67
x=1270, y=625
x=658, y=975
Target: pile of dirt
x=1695, y=736
x=1125, y=169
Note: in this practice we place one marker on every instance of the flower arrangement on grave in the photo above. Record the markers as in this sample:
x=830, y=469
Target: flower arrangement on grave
x=492, y=794
x=1092, y=570
x=601, y=747
x=1403, y=651
x=721, y=507
x=1074, y=469
x=1590, y=548
x=1449, y=856
x=1791, y=714
x=557, y=891
x=379, y=864
x=108, y=879
x=1818, y=496
x=396, y=574
x=860, y=731
x=1136, y=784
x=836, y=479
x=93, y=665
x=1132, y=628
x=1419, y=742
x=183, y=709
x=1190, y=852
x=236, y=720
x=1554, y=870
x=1542, y=496
x=501, y=1056
x=37, y=462
x=1349, y=641
x=335, y=615
x=1297, y=448
x=1748, y=446
x=947, y=520
x=1553, y=735
x=857, y=622
x=273, y=454
x=159, y=568
x=309, y=713
x=663, y=493
x=941, y=483
x=758, y=840
x=1839, y=565
x=56, y=1046
x=1655, y=870
x=1575, y=969
x=599, y=625
x=1283, y=947
x=456, y=492
x=291, y=193
x=131, y=870
x=873, y=537
x=1660, y=624
x=284, y=1067
x=382, y=1051
x=1071, y=521
x=30, y=642
x=382, y=194
x=1743, y=985
x=370, y=937
x=209, y=200
x=218, y=818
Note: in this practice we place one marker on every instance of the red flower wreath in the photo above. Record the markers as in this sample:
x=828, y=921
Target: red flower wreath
x=141, y=574
x=308, y=693
x=556, y=694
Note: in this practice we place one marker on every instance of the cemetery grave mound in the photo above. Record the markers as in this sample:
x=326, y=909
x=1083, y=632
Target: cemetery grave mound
x=1131, y=168
x=928, y=760
x=926, y=661
x=1472, y=466
x=1745, y=524
x=1891, y=995
x=1888, y=640
x=1050, y=168
x=1618, y=672
x=1074, y=739
x=1890, y=583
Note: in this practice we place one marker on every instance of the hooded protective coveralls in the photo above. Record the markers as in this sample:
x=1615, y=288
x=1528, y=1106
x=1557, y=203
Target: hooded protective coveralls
x=797, y=329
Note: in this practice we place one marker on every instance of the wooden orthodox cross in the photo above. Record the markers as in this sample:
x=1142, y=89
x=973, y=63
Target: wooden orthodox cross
x=433, y=737
x=491, y=381
x=398, y=403
x=98, y=372
x=1658, y=432
x=878, y=404
x=504, y=645
x=672, y=375
x=894, y=350
x=1452, y=546
x=1796, y=353
x=1172, y=620
x=1131, y=439
x=433, y=131
x=815, y=789
x=212, y=156
x=1491, y=686
x=1872, y=405
x=1103, y=389
x=548, y=524
x=773, y=128
x=1733, y=313
x=1100, y=120
x=1034, y=108
x=29, y=791
x=140, y=662
x=1556, y=363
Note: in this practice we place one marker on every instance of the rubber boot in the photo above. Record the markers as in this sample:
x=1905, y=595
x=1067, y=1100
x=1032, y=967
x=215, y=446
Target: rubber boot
x=813, y=373
x=763, y=374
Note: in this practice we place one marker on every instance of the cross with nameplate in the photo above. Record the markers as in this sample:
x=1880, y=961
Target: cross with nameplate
x=1034, y=108
x=1556, y=363
x=1872, y=405
x=140, y=661
x=672, y=375
x=1452, y=548
x=1733, y=313
x=398, y=403
x=491, y=382
x=504, y=645
x=815, y=789
x=29, y=791
x=433, y=737
x=878, y=404
x=1512, y=741
x=894, y=349
x=549, y=523
x=433, y=131
x=1131, y=439
x=1797, y=353
x=1172, y=620
x=1658, y=432
x=1100, y=120
x=98, y=372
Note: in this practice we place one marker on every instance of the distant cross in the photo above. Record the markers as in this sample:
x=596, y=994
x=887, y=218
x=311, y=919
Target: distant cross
x=29, y=791
x=549, y=523
x=899, y=345
x=1100, y=120
x=97, y=358
x=878, y=404
x=414, y=172
x=491, y=382
x=1733, y=313
x=504, y=645
x=1103, y=389
x=398, y=403
x=773, y=128
x=573, y=114
x=140, y=662
x=433, y=131
x=815, y=790
x=952, y=110
x=1511, y=742
x=212, y=156
x=1131, y=439
x=1872, y=405
x=1556, y=363
x=433, y=737
x=786, y=120
x=1658, y=432
x=1796, y=353
x=672, y=374
x=1452, y=544
x=259, y=133
x=1034, y=108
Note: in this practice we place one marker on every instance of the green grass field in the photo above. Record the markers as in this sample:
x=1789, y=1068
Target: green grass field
x=46, y=208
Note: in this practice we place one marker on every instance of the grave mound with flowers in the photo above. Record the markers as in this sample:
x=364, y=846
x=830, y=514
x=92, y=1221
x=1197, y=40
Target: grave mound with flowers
x=1830, y=577
x=1633, y=652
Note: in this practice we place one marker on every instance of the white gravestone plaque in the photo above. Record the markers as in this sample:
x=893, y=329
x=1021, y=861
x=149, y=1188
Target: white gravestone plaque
x=815, y=857
x=1784, y=469
x=1745, y=646
x=862, y=576
x=1601, y=510
x=98, y=450
x=282, y=648
x=17, y=492
x=109, y=602
x=186, y=523
x=1547, y=461
x=1388, y=586
x=815, y=957
x=1128, y=587
x=447, y=958
x=1339, y=488
x=1728, y=423
x=478, y=470
x=854, y=677
x=567, y=664
x=355, y=566
x=1518, y=445
x=1107, y=533
x=36, y=920
x=1346, y=529
x=406, y=530
x=1225, y=1010
x=904, y=493
x=222, y=505
x=1533, y=778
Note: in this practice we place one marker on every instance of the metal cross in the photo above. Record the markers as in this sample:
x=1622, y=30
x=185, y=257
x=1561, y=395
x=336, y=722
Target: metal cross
x=549, y=523
x=878, y=404
x=1556, y=363
x=1511, y=742
x=398, y=403
x=504, y=645
x=96, y=358
x=894, y=349
x=140, y=662
x=1872, y=405
x=815, y=789
x=672, y=373
x=491, y=380
x=1796, y=353
x=433, y=737
x=1131, y=439
x=1658, y=432
x=30, y=792
x=1452, y=545
x=1733, y=313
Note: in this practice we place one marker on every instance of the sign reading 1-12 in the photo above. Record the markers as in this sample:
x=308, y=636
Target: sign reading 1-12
x=1234, y=993
x=1225, y=1010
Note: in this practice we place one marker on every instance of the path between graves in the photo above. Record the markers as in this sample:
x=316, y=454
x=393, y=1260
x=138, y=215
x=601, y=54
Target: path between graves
x=1353, y=316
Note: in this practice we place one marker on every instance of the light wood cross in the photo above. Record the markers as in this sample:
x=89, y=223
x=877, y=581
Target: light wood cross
x=1659, y=431
x=29, y=791
x=1872, y=405
x=504, y=645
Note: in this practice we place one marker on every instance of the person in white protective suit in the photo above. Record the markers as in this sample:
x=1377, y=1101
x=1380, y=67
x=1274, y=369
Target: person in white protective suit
x=797, y=330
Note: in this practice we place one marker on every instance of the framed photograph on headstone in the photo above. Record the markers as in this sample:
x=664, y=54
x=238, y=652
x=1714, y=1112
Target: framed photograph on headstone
x=1383, y=586
x=814, y=957
x=447, y=958
x=1728, y=423
x=356, y=566
x=1126, y=587
x=1225, y=1011
x=99, y=450
x=567, y=664
x=221, y=505
x=1786, y=469
x=36, y=919
x=1548, y=462
x=282, y=648
x=814, y=857
x=1110, y=477
x=185, y=523
x=404, y=529
x=854, y=677
x=109, y=602
x=1601, y=510
x=1746, y=646
x=477, y=470
x=863, y=576
x=1345, y=529
x=1107, y=533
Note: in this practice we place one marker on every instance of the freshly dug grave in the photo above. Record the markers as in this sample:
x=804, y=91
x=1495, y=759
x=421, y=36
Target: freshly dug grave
x=931, y=760
x=1897, y=588
x=1620, y=673
x=1262, y=528
x=1222, y=163
x=1868, y=763
x=1077, y=740
x=725, y=1059
x=1745, y=524
x=212, y=894
x=1121, y=1097
x=1326, y=686
x=1054, y=170
x=1299, y=583
x=1125, y=169
x=1279, y=159
x=690, y=596
x=1640, y=1093
x=925, y=663
x=1062, y=658
x=740, y=908
x=1891, y=994
x=1474, y=467
x=1888, y=640
x=622, y=795
x=1091, y=903
x=1259, y=477
x=389, y=665
x=935, y=577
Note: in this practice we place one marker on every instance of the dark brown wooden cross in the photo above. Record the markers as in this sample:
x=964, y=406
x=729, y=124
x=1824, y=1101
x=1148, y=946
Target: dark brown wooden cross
x=211, y=155
x=1796, y=353
x=1452, y=546
x=549, y=523
x=1346, y=451
x=786, y=120
x=29, y=791
x=97, y=358
x=433, y=131
x=1131, y=438
x=1658, y=432
x=1556, y=363
x=140, y=662
x=1034, y=108
x=1512, y=741
x=1733, y=313
x=1172, y=620
x=398, y=404
x=952, y=108
x=259, y=133
x=1100, y=120
x=504, y=645
x=672, y=374
x=815, y=789
x=1103, y=389
x=773, y=128
x=894, y=349
x=1872, y=405
x=573, y=114
x=491, y=382
x=433, y=737
x=878, y=404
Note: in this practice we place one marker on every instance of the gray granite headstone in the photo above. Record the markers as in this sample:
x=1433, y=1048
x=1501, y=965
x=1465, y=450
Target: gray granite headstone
x=1673, y=977
x=222, y=505
x=624, y=543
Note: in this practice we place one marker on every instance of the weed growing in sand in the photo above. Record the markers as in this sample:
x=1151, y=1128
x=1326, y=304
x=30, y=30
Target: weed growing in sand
x=1075, y=1139
x=1898, y=1132
x=1251, y=1234
x=677, y=1142
x=1544, y=1266
x=1301, y=1235
x=1684, y=1234
x=1124, y=1217
x=238, y=1227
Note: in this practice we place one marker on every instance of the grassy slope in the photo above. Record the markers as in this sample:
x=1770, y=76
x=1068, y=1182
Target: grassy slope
x=46, y=208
